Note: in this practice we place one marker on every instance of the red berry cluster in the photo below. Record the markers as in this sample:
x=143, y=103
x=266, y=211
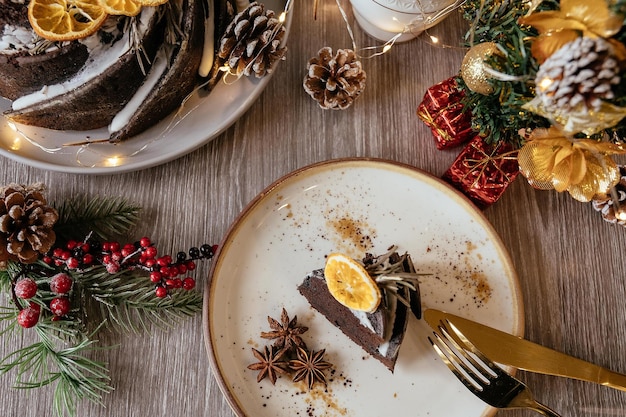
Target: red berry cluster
x=75, y=255
x=59, y=306
x=165, y=273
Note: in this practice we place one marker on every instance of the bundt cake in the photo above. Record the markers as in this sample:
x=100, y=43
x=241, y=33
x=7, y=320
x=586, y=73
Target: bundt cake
x=130, y=74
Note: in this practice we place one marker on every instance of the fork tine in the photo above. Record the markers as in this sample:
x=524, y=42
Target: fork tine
x=468, y=345
x=461, y=370
x=442, y=355
x=484, y=368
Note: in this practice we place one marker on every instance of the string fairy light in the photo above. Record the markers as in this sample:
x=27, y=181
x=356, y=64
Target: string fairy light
x=419, y=26
x=104, y=158
x=22, y=135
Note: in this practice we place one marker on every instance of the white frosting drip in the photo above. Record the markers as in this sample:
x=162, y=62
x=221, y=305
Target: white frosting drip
x=209, y=43
x=391, y=318
x=382, y=349
x=16, y=38
x=101, y=58
x=159, y=66
x=362, y=316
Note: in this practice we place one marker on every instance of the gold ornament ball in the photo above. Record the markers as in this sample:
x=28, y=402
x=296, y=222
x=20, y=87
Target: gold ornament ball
x=473, y=67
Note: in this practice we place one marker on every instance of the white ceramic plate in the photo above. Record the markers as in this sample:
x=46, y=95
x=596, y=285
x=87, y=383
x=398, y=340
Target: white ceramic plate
x=203, y=118
x=352, y=206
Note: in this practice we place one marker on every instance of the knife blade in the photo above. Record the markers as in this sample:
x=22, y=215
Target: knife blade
x=507, y=349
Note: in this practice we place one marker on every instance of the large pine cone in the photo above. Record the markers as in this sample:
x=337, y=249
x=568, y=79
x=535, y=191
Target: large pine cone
x=26, y=223
x=252, y=43
x=335, y=81
x=606, y=206
x=582, y=71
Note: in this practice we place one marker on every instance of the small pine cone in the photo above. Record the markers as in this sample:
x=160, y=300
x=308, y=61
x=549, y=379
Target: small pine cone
x=26, y=223
x=252, y=42
x=335, y=81
x=605, y=205
x=582, y=71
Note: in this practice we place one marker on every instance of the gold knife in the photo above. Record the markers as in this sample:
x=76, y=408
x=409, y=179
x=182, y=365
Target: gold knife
x=519, y=353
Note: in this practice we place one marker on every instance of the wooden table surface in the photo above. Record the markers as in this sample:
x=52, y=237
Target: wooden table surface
x=571, y=264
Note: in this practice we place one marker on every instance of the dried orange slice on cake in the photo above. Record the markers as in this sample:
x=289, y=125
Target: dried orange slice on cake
x=350, y=284
x=121, y=7
x=65, y=20
x=152, y=2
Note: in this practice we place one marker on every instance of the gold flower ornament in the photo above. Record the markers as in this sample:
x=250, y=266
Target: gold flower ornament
x=582, y=167
x=575, y=18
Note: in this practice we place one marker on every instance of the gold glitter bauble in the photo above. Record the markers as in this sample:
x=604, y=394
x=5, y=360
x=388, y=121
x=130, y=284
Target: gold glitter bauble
x=473, y=67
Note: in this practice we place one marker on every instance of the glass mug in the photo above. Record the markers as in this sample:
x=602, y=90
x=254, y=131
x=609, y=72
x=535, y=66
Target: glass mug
x=403, y=19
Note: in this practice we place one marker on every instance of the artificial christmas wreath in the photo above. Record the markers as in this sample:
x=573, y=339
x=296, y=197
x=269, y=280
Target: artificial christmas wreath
x=66, y=276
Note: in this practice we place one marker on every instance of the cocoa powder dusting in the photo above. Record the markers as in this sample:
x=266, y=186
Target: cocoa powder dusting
x=357, y=232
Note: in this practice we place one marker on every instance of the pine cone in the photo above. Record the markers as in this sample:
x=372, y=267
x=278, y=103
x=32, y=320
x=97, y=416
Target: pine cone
x=252, y=42
x=26, y=223
x=582, y=71
x=335, y=81
x=605, y=205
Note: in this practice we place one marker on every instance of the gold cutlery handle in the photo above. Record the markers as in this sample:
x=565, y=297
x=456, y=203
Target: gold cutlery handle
x=507, y=349
x=614, y=380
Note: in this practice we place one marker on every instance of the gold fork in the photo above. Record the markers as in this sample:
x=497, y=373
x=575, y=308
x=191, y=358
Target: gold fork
x=485, y=379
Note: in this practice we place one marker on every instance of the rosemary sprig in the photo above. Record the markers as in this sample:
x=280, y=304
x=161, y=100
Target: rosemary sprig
x=395, y=275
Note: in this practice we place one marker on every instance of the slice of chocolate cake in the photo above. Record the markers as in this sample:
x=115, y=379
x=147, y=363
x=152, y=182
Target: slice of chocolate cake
x=379, y=333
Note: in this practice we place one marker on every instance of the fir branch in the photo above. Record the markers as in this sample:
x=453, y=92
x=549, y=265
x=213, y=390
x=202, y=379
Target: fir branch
x=77, y=376
x=104, y=217
x=140, y=314
x=108, y=287
x=8, y=313
x=499, y=116
x=5, y=281
x=126, y=301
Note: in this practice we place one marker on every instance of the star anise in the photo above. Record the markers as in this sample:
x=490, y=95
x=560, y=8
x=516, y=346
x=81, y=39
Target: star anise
x=269, y=363
x=286, y=332
x=309, y=366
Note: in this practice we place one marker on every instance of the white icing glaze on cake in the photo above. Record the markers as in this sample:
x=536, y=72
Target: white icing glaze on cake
x=365, y=321
x=159, y=67
x=15, y=39
x=102, y=56
x=209, y=44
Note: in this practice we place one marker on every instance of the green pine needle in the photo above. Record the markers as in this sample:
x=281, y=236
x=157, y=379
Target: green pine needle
x=77, y=376
x=126, y=301
x=104, y=217
x=123, y=302
x=499, y=116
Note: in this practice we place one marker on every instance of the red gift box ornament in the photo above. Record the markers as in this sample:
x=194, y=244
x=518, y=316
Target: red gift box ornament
x=441, y=109
x=483, y=171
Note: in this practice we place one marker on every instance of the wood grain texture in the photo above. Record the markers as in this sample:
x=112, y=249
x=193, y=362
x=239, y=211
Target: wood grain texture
x=570, y=262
